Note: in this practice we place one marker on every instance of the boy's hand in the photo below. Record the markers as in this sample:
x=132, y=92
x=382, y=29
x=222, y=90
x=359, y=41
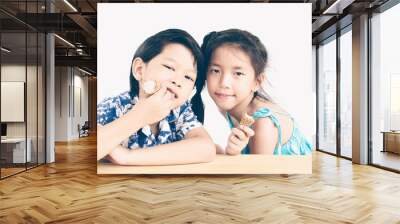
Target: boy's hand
x=238, y=139
x=118, y=156
x=157, y=106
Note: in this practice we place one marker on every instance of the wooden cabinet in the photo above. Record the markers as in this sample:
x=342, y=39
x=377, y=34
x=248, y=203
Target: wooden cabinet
x=391, y=141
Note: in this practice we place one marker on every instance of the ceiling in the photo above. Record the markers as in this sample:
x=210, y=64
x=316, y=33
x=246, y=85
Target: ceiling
x=76, y=22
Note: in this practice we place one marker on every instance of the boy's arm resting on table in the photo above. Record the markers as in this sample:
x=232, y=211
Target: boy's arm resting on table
x=109, y=136
x=197, y=147
x=266, y=137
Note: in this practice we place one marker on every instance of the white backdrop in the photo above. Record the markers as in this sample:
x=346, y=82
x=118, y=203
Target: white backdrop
x=285, y=30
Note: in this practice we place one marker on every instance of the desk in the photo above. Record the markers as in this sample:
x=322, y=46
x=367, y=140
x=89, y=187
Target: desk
x=223, y=164
x=391, y=141
x=17, y=150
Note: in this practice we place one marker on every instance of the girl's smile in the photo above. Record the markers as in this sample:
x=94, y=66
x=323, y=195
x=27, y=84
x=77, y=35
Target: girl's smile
x=224, y=96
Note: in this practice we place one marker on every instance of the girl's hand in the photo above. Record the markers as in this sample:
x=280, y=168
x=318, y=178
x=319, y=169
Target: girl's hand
x=238, y=139
x=157, y=106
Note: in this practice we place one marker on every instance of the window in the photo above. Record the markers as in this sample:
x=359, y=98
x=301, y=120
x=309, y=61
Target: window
x=385, y=88
x=346, y=93
x=327, y=96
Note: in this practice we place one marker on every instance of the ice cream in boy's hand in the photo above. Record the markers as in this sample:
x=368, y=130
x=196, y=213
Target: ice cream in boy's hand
x=150, y=87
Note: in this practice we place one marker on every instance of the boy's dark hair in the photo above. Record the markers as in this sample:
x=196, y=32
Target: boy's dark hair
x=246, y=41
x=154, y=45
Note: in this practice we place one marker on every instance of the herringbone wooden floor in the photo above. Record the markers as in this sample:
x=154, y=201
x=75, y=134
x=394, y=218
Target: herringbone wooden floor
x=70, y=191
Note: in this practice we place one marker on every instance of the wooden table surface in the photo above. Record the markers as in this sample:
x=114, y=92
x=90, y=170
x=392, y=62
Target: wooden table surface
x=223, y=164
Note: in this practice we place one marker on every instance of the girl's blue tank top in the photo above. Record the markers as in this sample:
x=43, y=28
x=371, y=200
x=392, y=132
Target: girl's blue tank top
x=297, y=144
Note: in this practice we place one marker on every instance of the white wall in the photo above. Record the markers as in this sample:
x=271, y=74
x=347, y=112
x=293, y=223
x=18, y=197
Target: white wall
x=16, y=73
x=11, y=73
x=80, y=83
x=34, y=124
x=67, y=115
x=61, y=103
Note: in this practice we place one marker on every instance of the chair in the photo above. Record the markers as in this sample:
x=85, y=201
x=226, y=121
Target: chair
x=84, y=130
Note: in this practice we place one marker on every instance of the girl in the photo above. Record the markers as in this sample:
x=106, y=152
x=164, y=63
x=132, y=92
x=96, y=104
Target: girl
x=163, y=122
x=235, y=62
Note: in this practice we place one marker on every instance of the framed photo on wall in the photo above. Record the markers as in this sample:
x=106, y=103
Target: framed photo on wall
x=196, y=88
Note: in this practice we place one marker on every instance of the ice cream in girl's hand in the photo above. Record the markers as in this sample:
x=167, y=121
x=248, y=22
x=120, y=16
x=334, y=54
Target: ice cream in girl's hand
x=246, y=120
